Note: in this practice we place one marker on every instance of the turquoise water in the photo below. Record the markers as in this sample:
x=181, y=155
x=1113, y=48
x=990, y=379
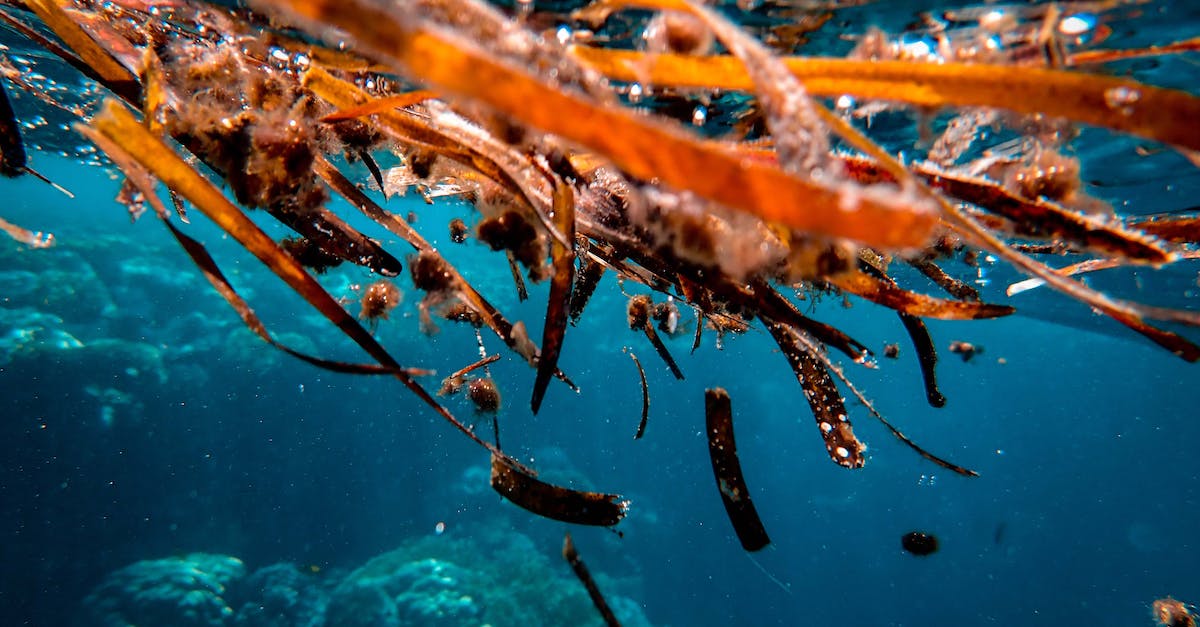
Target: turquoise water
x=142, y=422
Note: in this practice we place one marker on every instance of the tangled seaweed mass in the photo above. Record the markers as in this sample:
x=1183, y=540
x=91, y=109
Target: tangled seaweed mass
x=721, y=173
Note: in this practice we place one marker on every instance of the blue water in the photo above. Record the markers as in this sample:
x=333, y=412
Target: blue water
x=140, y=421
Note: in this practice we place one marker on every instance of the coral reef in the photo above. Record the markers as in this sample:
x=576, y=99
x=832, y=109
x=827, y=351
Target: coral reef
x=183, y=591
x=486, y=578
x=281, y=595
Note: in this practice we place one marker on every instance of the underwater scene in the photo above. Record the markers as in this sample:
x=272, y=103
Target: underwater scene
x=642, y=312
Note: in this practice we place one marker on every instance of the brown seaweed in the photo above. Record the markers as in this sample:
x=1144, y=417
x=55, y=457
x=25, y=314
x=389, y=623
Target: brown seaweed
x=827, y=405
x=555, y=502
x=639, y=312
x=12, y=148
x=586, y=279
x=926, y=357
x=585, y=577
x=641, y=429
x=560, y=292
x=722, y=451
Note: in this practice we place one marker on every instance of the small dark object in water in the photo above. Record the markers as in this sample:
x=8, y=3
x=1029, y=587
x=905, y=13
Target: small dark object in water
x=484, y=394
x=379, y=300
x=411, y=218
x=891, y=351
x=458, y=231
x=966, y=350
x=1172, y=613
x=919, y=543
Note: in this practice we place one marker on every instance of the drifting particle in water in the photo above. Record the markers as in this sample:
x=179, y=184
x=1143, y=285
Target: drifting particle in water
x=966, y=350
x=439, y=528
x=1172, y=613
x=919, y=543
x=891, y=351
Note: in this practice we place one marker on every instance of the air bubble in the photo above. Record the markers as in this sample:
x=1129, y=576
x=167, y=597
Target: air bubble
x=1122, y=99
x=635, y=93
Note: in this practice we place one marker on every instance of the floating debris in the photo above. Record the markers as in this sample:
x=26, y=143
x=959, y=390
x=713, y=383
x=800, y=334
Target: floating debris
x=641, y=429
x=1169, y=612
x=919, y=543
x=966, y=350
x=555, y=502
x=581, y=571
x=722, y=451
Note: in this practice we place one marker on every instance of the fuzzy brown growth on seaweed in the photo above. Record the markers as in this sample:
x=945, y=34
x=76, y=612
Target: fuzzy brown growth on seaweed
x=484, y=393
x=429, y=272
x=511, y=231
x=458, y=231
x=258, y=128
x=638, y=312
x=310, y=254
x=379, y=300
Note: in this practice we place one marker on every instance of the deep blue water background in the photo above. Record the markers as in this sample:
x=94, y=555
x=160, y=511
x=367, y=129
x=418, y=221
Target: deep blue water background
x=1086, y=509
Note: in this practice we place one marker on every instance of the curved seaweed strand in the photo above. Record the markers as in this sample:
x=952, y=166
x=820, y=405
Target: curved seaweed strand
x=826, y=403
x=814, y=352
x=961, y=221
x=889, y=295
x=918, y=333
x=560, y=292
x=722, y=452
x=118, y=125
x=1160, y=114
x=488, y=312
x=643, y=147
x=775, y=306
x=641, y=429
x=522, y=488
x=1026, y=217
x=951, y=285
x=208, y=267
